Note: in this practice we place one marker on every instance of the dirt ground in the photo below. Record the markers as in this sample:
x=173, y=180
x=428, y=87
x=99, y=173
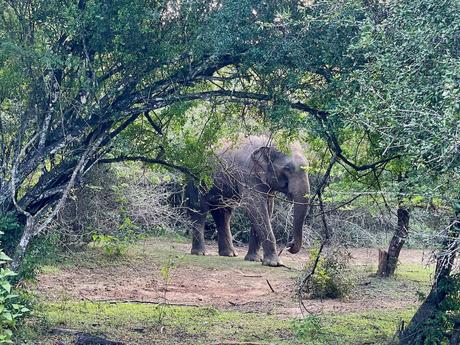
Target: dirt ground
x=150, y=274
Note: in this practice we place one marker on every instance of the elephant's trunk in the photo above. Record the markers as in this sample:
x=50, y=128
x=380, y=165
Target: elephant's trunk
x=301, y=206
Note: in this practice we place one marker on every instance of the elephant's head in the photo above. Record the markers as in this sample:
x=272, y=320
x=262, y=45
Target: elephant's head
x=286, y=174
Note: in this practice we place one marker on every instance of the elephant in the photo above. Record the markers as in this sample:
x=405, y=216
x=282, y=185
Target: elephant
x=249, y=173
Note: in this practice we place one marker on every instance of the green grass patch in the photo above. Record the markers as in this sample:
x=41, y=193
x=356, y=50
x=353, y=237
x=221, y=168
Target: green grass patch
x=164, y=324
x=406, y=271
x=49, y=269
x=148, y=323
x=371, y=327
x=415, y=272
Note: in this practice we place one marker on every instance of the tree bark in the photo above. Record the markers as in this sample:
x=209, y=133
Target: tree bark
x=414, y=333
x=388, y=260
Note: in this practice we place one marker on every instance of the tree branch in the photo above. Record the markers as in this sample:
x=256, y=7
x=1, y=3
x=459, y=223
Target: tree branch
x=150, y=161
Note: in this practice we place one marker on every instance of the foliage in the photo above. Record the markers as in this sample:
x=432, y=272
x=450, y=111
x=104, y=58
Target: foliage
x=43, y=250
x=119, y=205
x=309, y=328
x=332, y=277
x=10, y=227
x=116, y=244
x=12, y=311
x=111, y=245
x=405, y=97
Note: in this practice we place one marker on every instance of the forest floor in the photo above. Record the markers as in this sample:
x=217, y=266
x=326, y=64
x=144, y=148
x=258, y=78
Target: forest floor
x=156, y=293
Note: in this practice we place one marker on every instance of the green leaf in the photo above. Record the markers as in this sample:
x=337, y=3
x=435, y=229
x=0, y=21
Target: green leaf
x=6, y=286
x=4, y=257
x=7, y=316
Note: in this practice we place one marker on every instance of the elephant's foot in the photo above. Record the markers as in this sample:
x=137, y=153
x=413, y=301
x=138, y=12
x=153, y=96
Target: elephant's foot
x=253, y=257
x=228, y=252
x=293, y=247
x=272, y=261
x=198, y=251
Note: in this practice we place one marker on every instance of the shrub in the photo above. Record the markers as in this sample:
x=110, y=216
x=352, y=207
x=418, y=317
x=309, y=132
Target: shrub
x=332, y=277
x=310, y=328
x=12, y=311
x=116, y=205
x=43, y=250
x=111, y=245
x=10, y=229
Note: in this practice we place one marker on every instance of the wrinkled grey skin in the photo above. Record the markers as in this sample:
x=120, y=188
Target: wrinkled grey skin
x=249, y=174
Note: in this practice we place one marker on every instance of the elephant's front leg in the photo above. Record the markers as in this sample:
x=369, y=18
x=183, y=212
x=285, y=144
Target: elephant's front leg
x=254, y=241
x=257, y=211
x=254, y=247
x=222, y=218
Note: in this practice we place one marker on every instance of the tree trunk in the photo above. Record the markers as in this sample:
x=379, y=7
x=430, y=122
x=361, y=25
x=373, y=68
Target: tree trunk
x=388, y=261
x=414, y=333
x=455, y=338
x=23, y=243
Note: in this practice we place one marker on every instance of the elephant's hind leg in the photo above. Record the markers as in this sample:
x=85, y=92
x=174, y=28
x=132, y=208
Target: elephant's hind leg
x=198, y=245
x=222, y=218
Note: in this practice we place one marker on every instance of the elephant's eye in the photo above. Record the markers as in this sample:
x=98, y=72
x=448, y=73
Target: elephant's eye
x=289, y=168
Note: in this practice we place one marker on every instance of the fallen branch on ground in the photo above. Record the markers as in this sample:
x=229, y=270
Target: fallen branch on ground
x=270, y=285
x=116, y=301
x=239, y=304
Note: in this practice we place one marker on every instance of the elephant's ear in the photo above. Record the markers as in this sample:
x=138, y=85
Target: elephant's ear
x=261, y=159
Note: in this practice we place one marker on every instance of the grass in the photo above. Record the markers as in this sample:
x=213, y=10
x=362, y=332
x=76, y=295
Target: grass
x=158, y=251
x=163, y=324
x=137, y=323
x=415, y=273
x=371, y=327
x=146, y=323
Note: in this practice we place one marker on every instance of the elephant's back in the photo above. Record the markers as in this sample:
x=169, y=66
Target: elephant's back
x=239, y=151
x=233, y=160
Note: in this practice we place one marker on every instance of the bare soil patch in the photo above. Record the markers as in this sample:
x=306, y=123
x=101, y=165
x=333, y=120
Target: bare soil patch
x=225, y=283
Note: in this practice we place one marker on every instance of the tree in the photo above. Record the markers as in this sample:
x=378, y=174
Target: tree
x=76, y=74
x=406, y=97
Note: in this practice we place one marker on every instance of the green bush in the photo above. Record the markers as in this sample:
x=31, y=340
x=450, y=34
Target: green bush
x=310, y=328
x=111, y=245
x=10, y=229
x=12, y=311
x=332, y=277
x=43, y=250
x=117, y=243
